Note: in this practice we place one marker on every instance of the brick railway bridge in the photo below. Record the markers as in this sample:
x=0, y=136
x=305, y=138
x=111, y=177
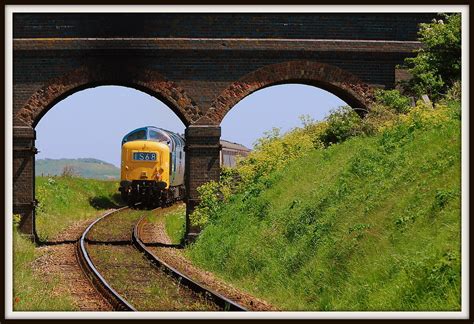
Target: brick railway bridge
x=200, y=65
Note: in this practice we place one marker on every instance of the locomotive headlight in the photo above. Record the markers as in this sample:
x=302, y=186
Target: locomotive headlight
x=126, y=167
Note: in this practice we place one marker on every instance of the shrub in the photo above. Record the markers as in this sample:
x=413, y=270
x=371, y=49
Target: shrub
x=209, y=205
x=454, y=93
x=273, y=152
x=16, y=220
x=437, y=66
x=377, y=119
x=393, y=99
x=342, y=123
x=68, y=171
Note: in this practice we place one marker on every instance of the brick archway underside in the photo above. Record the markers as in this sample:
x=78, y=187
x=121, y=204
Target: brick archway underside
x=89, y=76
x=343, y=84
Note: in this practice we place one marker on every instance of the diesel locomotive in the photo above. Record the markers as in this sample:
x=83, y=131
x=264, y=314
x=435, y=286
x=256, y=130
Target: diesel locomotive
x=152, y=167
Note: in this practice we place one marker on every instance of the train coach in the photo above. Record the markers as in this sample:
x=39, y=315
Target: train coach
x=152, y=166
x=230, y=151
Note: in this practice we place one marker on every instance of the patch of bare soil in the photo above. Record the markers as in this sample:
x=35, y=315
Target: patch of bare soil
x=60, y=262
x=156, y=233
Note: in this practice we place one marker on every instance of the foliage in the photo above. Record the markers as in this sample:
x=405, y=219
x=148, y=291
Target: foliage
x=393, y=99
x=437, y=66
x=209, y=206
x=272, y=152
x=377, y=118
x=68, y=171
x=342, y=124
x=454, y=93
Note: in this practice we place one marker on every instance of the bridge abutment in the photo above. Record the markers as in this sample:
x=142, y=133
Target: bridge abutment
x=202, y=165
x=23, y=178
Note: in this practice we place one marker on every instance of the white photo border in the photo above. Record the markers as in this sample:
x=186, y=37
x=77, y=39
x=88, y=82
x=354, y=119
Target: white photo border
x=10, y=9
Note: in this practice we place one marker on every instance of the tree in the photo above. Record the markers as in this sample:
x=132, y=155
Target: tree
x=68, y=171
x=437, y=66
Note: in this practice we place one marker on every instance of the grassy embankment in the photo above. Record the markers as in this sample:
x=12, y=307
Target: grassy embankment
x=63, y=201
x=372, y=223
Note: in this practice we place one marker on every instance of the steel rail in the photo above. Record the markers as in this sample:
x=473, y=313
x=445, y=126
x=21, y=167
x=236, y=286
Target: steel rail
x=221, y=301
x=91, y=272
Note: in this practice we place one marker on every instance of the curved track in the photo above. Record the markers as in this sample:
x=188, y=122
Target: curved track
x=117, y=301
x=114, y=298
x=221, y=301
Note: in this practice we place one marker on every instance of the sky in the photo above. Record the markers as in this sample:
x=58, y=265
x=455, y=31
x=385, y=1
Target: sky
x=91, y=123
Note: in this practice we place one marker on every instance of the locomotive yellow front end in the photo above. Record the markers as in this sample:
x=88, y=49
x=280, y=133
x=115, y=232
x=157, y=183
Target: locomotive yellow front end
x=144, y=171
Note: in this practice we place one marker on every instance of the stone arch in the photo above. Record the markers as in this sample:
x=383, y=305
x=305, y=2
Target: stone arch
x=90, y=76
x=328, y=77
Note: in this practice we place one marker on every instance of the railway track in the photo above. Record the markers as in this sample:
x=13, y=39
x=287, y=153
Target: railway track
x=99, y=282
x=223, y=302
x=183, y=292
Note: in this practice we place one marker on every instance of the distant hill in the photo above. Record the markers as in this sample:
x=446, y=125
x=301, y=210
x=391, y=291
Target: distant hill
x=85, y=168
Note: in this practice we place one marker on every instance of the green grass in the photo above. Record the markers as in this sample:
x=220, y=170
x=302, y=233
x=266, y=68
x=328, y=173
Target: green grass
x=65, y=200
x=31, y=292
x=369, y=224
x=175, y=223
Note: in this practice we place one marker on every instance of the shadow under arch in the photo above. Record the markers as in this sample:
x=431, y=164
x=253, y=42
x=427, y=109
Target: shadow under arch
x=337, y=81
x=90, y=76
